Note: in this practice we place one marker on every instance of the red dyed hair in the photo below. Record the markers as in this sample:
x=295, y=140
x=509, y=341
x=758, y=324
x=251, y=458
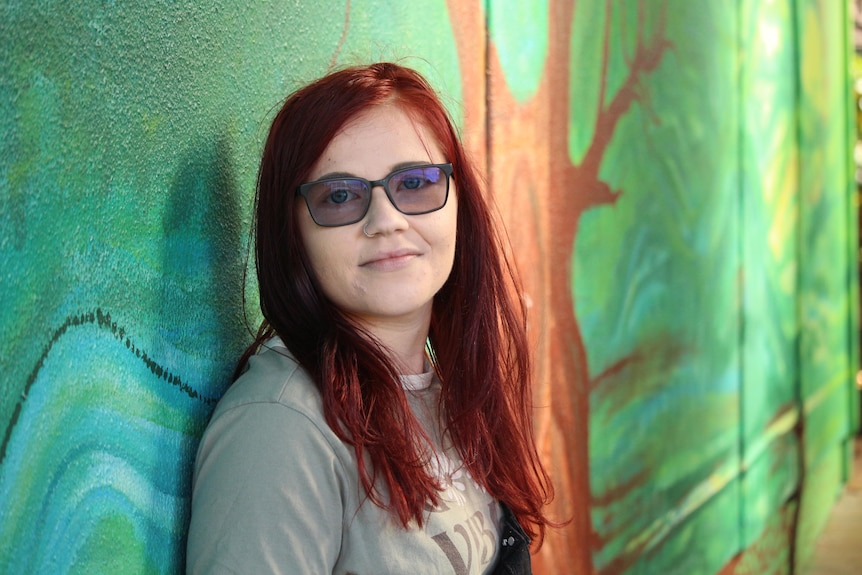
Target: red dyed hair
x=477, y=335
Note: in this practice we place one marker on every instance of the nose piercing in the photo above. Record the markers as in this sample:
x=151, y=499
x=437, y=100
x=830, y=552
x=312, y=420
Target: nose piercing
x=365, y=231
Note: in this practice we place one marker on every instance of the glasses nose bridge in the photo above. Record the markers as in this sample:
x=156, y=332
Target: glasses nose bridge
x=384, y=183
x=387, y=211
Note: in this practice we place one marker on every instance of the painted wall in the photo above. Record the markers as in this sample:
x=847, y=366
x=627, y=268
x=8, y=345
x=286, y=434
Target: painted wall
x=676, y=180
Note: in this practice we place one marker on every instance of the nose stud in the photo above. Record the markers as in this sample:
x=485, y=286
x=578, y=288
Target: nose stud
x=365, y=231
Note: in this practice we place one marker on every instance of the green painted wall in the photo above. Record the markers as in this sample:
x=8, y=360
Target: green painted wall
x=130, y=137
x=723, y=275
x=715, y=297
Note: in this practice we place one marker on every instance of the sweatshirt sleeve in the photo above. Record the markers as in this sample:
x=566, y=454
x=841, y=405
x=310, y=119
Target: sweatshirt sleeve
x=268, y=494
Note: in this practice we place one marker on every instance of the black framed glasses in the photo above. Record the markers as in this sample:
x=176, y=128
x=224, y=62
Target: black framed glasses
x=342, y=201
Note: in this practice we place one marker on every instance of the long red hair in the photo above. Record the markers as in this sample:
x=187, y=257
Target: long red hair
x=477, y=338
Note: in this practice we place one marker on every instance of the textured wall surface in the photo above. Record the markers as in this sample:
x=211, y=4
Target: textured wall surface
x=675, y=177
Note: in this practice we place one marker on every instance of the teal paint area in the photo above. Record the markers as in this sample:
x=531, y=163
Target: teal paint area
x=101, y=452
x=520, y=33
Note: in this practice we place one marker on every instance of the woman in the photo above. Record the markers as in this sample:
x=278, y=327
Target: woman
x=381, y=421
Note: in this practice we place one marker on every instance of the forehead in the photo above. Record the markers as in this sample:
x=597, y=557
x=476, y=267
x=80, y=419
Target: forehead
x=370, y=144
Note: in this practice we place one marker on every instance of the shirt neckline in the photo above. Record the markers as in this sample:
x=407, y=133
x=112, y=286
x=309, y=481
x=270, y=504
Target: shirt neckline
x=409, y=382
x=417, y=381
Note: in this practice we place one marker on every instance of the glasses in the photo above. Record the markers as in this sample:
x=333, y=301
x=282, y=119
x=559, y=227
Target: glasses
x=343, y=201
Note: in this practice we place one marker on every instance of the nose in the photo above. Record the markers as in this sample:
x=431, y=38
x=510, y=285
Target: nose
x=383, y=217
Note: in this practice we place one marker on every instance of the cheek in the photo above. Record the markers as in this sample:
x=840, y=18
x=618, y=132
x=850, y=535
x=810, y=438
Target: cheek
x=319, y=249
x=324, y=262
x=447, y=241
x=452, y=241
x=332, y=277
x=453, y=227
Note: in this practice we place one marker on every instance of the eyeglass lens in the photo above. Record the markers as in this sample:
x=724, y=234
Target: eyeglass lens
x=343, y=201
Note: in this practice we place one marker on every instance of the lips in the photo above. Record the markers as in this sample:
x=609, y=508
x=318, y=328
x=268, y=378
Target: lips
x=390, y=259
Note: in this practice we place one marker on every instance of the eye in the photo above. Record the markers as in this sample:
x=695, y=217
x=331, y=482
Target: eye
x=412, y=182
x=340, y=196
x=335, y=194
x=417, y=179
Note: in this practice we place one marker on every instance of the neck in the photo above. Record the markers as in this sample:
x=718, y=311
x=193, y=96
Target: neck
x=404, y=339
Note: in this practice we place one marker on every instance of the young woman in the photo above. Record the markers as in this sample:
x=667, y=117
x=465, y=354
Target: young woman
x=381, y=421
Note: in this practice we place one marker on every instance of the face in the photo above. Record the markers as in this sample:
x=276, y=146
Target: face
x=393, y=275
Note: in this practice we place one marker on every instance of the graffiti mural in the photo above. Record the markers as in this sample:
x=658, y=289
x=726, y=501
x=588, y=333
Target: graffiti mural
x=674, y=180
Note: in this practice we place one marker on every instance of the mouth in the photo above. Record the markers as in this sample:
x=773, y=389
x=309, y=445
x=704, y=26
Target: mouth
x=390, y=260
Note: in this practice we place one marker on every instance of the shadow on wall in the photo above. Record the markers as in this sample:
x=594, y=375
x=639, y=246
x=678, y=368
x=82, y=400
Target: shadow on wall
x=96, y=463
x=202, y=262
x=202, y=281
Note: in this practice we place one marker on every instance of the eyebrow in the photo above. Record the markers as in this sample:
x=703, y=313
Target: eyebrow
x=395, y=168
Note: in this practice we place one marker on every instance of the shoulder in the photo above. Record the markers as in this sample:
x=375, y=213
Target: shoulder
x=274, y=410
x=273, y=377
x=268, y=432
